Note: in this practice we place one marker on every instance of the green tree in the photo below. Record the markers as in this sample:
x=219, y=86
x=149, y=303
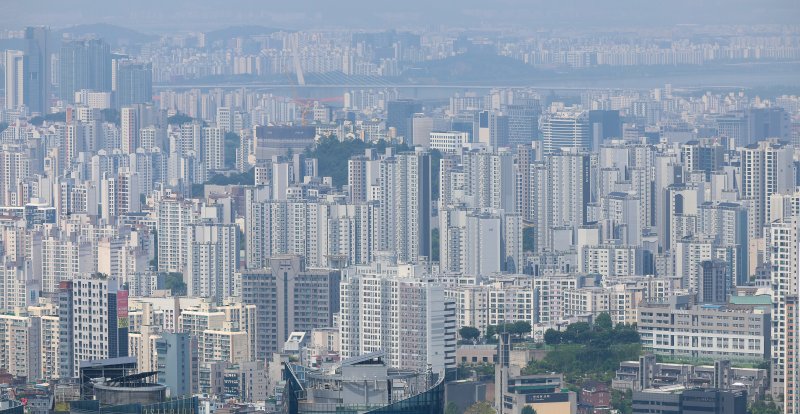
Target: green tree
x=491, y=331
x=480, y=408
x=521, y=328
x=110, y=115
x=174, y=282
x=552, y=337
x=333, y=155
x=576, y=333
x=585, y=353
x=451, y=408
x=469, y=333
x=622, y=401
x=603, y=322
x=56, y=117
x=179, y=119
x=528, y=410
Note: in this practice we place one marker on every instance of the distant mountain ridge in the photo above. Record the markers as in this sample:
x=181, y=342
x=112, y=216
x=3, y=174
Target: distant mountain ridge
x=239, y=31
x=114, y=35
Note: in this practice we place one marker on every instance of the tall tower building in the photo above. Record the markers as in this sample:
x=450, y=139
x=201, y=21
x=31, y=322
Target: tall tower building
x=15, y=78
x=84, y=65
x=491, y=128
x=134, y=83
x=783, y=245
x=523, y=121
x=37, y=68
x=381, y=300
x=713, y=285
x=129, y=129
x=94, y=321
x=405, y=205
x=213, y=149
x=727, y=222
x=767, y=168
x=289, y=298
x=211, y=261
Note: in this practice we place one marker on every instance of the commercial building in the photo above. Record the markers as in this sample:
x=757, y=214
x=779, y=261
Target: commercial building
x=566, y=129
x=514, y=391
x=363, y=384
x=84, y=65
x=271, y=141
x=176, y=363
x=691, y=401
x=647, y=374
x=134, y=83
x=448, y=142
x=678, y=328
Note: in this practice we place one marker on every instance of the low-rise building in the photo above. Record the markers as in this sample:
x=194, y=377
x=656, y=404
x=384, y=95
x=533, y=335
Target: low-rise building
x=646, y=373
x=694, y=401
x=678, y=328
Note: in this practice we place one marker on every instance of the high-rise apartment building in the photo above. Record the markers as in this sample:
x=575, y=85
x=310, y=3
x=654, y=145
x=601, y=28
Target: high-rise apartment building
x=213, y=139
x=396, y=309
x=289, y=298
x=212, y=259
x=172, y=223
x=404, y=196
x=129, y=129
x=766, y=169
x=94, y=322
x=783, y=242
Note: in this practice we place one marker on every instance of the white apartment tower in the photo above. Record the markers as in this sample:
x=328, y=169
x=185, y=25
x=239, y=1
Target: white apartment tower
x=211, y=261
x=783, y=245
x=396, y=309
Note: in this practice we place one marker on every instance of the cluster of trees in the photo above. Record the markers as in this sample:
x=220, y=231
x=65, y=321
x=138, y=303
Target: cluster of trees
x=245, y=178
x=602, y=333
x=54, y=117
x=179, y=119
x=588, y=352
x=174, y=282
x=765, y=406
x=332, y=155
x=517, y=329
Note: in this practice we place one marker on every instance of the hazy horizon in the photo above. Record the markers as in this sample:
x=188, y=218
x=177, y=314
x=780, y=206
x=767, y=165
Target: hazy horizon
x=151, y=16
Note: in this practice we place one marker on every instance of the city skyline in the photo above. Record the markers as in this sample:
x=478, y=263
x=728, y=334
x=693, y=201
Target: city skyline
x=571, y=207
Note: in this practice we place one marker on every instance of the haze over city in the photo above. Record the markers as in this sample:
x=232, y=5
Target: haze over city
x=447, y=207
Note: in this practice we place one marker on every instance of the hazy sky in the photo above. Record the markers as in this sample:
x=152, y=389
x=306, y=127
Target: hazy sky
x=179, y=15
